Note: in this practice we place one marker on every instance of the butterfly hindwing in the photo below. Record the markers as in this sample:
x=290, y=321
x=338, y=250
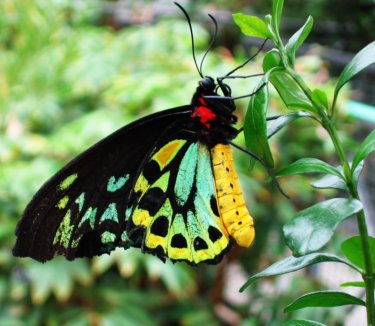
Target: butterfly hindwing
x=175, y=212
x=81, y=211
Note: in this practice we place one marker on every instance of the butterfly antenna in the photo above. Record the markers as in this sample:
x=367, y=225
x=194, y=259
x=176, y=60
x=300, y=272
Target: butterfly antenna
x=211, y=43
x=192, y=36
x=247, y=61
x=260, y=160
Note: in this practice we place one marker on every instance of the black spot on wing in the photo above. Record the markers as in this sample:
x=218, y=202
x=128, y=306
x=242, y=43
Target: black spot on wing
x=160, y=226
x=200, y=244
x=214, y=233
x=178, y=241
x=151, y=171
x=152, y=200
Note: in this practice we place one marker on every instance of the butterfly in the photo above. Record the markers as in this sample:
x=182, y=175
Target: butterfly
x=165, y=183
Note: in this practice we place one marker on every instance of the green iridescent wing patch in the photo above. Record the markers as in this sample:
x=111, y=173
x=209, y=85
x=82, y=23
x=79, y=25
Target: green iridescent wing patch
x=175, y=212
x=82, y=211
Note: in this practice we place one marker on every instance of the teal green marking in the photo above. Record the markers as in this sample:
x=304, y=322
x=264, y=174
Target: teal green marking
x=62, y=202
x=205, y=179
x=185, y=176
x=89, y=215
x=108, y=237
x=128, y=212
x=205, y=189
x=67, y=182
x=110, y=213
x=124, y=237
x=64, y=231
x=80, y=201
x=195, y=228
x=114, y=184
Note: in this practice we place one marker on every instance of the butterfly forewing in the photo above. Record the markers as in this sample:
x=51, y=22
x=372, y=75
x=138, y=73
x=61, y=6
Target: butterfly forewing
x=81, y=211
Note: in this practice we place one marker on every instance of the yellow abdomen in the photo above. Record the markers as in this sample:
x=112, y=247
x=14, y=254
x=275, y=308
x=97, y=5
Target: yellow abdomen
x=231, y=204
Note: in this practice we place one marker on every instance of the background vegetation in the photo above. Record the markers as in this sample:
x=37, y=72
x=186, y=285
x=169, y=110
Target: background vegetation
x=73, y=72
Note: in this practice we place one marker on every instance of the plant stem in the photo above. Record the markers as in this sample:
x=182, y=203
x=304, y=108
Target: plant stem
x=368, y=275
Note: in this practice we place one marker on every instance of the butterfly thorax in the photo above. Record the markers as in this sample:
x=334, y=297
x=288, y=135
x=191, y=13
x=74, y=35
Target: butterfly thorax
x=214, y=117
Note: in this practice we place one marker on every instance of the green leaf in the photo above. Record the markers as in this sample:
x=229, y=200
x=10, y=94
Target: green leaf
x=291, y=264
x=366, y=148
x=352, y=248
x=252, y=25
x=255, y=127
x=302, y=322
x=275, y=125
x=355, y=284
x=277, y=9
x=324, y=299
x=308, y=165
x=320, y=97
x=361, y=60
x=334, y=182
x=290, y=93
x=313, y=227
x=271, y=60
x=298, y=38
x=330, y=181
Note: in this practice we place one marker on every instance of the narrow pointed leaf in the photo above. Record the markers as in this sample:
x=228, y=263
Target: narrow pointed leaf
x=330, y=181
x=277, y=10
x=355, y=284
x=365, y=149
x=302, y=322
x=255, y=127
x=353, y=250
x=313, y=227
x=291, y=264
x=320, y=97
x=290, y=93
x=298, y=38
x=252, y=25
x=274, y=126
x=308, y=165
x=324, y=299
x=361, y=60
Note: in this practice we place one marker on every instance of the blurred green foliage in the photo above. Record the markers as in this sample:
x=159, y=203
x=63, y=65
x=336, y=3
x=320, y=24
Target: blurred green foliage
x=65, y=83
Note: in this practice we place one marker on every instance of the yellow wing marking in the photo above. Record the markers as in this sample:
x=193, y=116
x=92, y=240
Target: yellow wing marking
x=168, y=152
x=231, y=204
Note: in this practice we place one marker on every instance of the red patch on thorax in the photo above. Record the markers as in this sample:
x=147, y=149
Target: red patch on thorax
x=204, y=114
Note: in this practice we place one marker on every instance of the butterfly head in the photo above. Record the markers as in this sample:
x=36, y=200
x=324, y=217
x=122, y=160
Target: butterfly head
x=214, y=116
x=207, y=85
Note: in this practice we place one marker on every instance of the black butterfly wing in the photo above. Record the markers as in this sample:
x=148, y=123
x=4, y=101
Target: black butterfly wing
x=80, y=211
